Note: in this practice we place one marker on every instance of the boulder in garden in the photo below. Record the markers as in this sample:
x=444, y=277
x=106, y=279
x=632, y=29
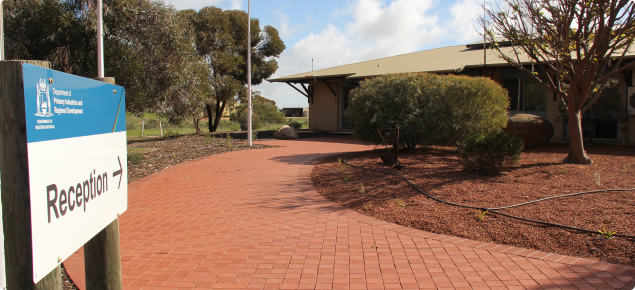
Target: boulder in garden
x=286, y=132
x=534, y=130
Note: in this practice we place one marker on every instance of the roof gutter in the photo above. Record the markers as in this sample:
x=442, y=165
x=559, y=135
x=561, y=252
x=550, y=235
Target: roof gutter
x=308, y=78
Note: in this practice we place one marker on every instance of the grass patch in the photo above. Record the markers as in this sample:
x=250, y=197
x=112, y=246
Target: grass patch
x=152, y=126
x=137, y=150
x=135, y=157
x=302, y=120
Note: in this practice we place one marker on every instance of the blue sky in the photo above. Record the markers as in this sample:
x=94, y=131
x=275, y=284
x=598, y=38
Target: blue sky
x=338, y=32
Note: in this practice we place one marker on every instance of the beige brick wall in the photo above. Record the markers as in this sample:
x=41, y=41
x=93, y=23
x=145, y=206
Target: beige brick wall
x=324, y=109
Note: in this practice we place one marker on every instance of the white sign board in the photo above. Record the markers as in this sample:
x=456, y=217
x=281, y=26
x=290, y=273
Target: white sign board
x=76, y=143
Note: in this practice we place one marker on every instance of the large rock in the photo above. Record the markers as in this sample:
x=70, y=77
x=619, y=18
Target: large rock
x=534, y=130
x=286, y=132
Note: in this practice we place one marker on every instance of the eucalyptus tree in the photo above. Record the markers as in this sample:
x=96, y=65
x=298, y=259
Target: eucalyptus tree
x=157, y=62
x=221, y=39
x=147, y=47
x=578, y=42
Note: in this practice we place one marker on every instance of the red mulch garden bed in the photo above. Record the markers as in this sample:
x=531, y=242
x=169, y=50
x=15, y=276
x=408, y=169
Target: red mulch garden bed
x=539, y=174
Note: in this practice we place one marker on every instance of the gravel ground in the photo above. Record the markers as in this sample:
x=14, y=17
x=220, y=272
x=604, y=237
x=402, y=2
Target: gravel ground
x=539, y=174
x=159, y=154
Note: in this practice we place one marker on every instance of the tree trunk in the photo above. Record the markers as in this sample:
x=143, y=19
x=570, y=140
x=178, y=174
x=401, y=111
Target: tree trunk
x=198, y=126
x=210, y=124
x=218, y=113
x=220, y=108
x=577, y=155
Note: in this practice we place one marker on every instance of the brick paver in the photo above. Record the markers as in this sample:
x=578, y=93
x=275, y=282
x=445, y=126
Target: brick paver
x=252, y=220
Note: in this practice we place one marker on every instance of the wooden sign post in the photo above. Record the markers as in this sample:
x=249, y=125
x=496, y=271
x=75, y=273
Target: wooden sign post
x=102, y=254
x=14, y=169
x=51, y=124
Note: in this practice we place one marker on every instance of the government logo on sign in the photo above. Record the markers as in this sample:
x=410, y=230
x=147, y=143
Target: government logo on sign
x=43, y=99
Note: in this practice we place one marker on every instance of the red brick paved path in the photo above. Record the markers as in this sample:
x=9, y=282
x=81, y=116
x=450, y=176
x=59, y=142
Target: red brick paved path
x=252, y=219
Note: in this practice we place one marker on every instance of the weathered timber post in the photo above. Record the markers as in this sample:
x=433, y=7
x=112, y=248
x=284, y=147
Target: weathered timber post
x=15, y=191
x=102, y=255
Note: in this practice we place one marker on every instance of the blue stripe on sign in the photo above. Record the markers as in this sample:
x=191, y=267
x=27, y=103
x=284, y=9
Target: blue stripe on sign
x=59, y=105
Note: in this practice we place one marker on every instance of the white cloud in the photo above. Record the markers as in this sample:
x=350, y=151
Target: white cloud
x=376, y=28
x=285, y=28
x=343, y=11
x=465, y=20
x=235, y=4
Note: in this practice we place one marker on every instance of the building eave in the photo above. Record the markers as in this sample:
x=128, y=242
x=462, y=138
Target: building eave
x=308, y=78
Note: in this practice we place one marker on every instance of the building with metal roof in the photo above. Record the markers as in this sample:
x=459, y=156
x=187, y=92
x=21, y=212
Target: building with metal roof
x=327, y=89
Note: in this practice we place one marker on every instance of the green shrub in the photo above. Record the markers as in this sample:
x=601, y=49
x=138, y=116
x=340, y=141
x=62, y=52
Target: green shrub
x=135, y=157
x=170, y=133
x=151, y=124
x=429, y=109
x=228, y=126
x=241, y=118
x=264, y=110
x=471, y=105
x=389, y=102
x=485, y=152
x=295, y=124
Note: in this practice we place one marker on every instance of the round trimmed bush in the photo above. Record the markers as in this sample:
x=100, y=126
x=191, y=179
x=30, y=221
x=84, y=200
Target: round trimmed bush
x=389, y=102
x=485, y=152
x=430, y=109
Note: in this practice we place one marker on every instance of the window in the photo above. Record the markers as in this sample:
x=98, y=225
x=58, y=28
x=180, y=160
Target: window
x=595, y=128
x=515, y=92
x=526, y=94
x=602, y=120
x=535, y=96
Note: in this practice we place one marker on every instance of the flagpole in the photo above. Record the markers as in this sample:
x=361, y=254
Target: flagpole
x=100, y=40
x=249, y=108
x=1, y=32
x=484, y=38
x=3, y=278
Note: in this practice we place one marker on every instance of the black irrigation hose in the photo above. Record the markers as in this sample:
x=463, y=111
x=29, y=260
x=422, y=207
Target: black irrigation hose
x=494, y=210
x=558, y=196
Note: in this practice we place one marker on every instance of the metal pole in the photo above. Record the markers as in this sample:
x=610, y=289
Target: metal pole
x=1, y=32
x=3, y=278
x=249, y=108
x=100, y=40
x=484, y=39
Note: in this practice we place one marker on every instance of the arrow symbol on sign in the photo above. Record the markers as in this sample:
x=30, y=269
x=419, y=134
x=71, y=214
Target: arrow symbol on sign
x=118, y=172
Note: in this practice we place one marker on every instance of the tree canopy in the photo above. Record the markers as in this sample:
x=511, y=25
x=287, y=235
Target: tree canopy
x=176, y=63
x=221, y=39
x=581, y=43
x=147, y=49
x=264, y=111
